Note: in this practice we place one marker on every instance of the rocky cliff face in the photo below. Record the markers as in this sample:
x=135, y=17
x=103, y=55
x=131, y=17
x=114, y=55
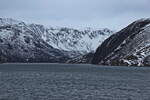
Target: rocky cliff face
x=130, y=46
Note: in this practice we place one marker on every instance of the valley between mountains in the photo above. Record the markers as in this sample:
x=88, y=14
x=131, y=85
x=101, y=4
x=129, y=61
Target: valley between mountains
x=34, y=43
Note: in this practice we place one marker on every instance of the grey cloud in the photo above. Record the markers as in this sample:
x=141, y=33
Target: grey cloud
x=113, y=14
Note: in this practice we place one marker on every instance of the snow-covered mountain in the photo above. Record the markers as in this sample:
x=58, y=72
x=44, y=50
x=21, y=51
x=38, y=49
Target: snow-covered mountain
x=33, y=42
x=69, y=39
x=76, y=40
x=129, y=47
x=19, y=43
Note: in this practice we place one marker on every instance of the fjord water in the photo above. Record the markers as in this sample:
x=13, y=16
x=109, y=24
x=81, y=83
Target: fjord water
x=73, y=82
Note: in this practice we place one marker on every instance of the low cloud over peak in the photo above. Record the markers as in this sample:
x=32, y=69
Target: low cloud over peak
x=113, y=14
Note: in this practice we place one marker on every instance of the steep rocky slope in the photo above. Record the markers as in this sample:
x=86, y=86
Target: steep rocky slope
x=130, y=46
x=18, y=43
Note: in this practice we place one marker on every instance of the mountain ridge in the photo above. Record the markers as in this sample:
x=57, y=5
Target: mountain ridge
x=127, y=47
x=29, y=42
x=68, y=39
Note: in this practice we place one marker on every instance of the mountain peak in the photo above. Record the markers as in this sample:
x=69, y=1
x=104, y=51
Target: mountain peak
x=130, y=46
x=8, y=21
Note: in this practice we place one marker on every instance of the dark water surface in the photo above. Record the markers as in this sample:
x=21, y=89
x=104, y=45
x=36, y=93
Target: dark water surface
x=73, y=82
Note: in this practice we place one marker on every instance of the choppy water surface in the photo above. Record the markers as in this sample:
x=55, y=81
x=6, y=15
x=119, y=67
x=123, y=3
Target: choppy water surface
x=73, y=82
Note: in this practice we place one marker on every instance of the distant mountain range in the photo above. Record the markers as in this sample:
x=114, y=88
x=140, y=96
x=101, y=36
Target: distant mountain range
x=21, y=42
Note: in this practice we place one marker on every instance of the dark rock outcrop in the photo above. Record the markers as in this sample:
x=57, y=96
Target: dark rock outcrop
x=84, y=59
x=130, y=46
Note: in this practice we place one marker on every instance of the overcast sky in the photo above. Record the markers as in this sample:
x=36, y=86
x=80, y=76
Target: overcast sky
x=113, y=14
